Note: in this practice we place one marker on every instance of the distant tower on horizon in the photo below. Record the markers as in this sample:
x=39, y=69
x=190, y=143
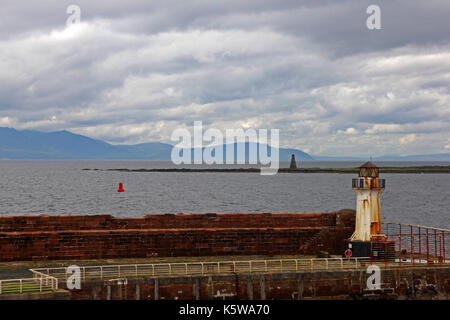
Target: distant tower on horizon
x=293, y=164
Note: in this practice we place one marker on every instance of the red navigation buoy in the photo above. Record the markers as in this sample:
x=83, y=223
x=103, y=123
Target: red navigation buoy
x=121, y=189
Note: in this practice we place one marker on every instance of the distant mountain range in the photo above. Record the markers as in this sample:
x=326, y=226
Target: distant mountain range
x=65, y=145
x=61, y=145
x=418, y=157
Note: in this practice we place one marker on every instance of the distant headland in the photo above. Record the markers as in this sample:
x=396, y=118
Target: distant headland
x=65, y=145
x=421, y=169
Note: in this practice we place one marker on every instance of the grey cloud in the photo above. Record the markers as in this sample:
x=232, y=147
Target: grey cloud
x=134, y=73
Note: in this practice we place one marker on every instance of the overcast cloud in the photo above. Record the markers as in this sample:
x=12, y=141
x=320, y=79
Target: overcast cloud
x=133, y=71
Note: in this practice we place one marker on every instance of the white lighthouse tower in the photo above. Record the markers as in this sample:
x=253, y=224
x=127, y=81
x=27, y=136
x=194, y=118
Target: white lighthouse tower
x=368, y=188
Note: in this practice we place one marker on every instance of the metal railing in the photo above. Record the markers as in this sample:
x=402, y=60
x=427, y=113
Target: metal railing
x=39, y=283
x=45, y=279
x=417, y=243
x=360, y=183
x=209, y=268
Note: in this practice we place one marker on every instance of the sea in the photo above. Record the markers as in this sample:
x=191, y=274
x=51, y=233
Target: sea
x=38, y=187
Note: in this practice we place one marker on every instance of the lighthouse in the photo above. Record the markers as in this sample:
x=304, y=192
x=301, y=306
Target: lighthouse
x=367, y=236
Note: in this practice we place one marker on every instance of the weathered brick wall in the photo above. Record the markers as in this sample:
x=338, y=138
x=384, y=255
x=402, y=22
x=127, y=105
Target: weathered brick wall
x=103, y=236
x=165, y=221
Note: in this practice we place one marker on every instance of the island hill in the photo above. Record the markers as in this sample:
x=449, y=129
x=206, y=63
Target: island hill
x=65, y=145
x=421, y=169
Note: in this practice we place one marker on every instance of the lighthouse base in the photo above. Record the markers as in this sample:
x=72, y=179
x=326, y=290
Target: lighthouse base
x=357, y=249
x=376, y=250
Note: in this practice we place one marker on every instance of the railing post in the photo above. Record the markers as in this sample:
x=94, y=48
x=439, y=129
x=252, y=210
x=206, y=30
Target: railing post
x=136, y=266
x=342, y=263
x=385, y=252
x=443, y=242
x=420, y=244
x=250, y=263
x=412, y=249
x=265, y=265
x=400, y=248
x=40, y=284
x=312, y=265
x=118, y=270
x=435, y=243
x=296, y=265
x=356, y=263
x=170, y=269
x=440, y=249
x=326, y=261
x=411, y=229
x=20, y=285
x=281, y=265
x=234, y=266
x=186, y=268
x=0, y=287
x=101, y=272
x=428, y=248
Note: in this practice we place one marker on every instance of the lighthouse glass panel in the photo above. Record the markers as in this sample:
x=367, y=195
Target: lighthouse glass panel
x=373, y=172
x=363, y=172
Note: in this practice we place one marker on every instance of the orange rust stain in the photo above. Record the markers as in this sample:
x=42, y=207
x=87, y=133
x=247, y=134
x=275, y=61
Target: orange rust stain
x=374, y=228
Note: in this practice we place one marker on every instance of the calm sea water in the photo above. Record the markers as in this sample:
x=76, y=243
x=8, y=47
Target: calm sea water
x=62, y=187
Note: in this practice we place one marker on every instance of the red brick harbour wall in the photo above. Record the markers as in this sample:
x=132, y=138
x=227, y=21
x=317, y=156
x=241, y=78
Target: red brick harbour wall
x=103, y=236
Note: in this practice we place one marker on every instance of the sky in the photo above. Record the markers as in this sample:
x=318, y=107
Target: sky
x=134, y=71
